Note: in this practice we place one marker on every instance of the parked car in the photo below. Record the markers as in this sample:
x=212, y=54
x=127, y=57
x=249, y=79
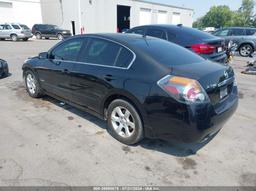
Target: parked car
x=202, y=43
x=170, y=93
x=244, y=38
x=50, y=31
x=4, y=70
x=15, y=32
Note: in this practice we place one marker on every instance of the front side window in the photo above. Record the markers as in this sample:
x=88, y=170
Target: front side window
x=138, y=31
x=16, y=27
x=24, y=27
x=69, y=50
x=156, y=33
x=222, y=32
x=250, y=32
x=102, y=52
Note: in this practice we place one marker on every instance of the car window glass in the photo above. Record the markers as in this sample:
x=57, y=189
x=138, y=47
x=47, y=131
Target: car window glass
x=222, y=32
x=101, y=52
x=138, y=31
x=124, y=59
x=171, y=36
x=16, y=26
x=24, y=27
x=156, y=33
x=1, y=27
x=237, y=32
x=68, y=50
x=250, y=31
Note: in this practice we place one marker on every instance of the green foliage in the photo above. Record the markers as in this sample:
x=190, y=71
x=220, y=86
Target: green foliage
x=222, y=16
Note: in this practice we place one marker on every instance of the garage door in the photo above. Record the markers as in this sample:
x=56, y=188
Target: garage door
x=162, y=17
x=145, y=16
x=176, y=18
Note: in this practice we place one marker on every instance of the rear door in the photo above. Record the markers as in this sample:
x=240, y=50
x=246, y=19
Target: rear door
x=102, y=65
x=55, y=72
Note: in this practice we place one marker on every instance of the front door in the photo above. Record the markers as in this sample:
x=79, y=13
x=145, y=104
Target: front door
x=56, y=74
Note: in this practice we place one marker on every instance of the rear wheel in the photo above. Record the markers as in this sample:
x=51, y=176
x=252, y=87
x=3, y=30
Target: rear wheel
x=14, y=37
x=32, y=84
x=124, y=122
x=38, y=36
x=246, y=50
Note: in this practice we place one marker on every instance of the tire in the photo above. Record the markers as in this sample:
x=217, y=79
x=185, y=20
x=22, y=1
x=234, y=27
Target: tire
x=246, y=50
x=38, y=36
x=25, y=39
x=14, y=37
x=124, y=122
x=60, y=37
x=32, y=85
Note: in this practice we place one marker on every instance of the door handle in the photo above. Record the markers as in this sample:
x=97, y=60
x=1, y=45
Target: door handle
x=109, y=77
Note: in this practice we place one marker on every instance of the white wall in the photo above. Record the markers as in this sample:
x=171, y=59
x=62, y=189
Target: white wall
x=26, y=12
x=101, y=15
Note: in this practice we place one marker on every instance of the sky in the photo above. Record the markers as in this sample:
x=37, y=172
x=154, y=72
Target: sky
x=201, y=7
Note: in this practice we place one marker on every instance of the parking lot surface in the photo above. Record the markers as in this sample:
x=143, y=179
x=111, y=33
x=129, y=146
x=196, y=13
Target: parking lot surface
x=46, y=143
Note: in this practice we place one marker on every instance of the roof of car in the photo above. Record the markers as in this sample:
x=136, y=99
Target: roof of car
x=125, y=39
x=166, y=26
x=238, y=28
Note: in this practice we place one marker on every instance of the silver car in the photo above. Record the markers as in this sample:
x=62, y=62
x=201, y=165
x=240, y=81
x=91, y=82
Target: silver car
x=15, y=32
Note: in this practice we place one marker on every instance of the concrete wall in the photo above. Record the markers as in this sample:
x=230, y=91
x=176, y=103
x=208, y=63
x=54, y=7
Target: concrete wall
x=101, y=15
x=20, y=11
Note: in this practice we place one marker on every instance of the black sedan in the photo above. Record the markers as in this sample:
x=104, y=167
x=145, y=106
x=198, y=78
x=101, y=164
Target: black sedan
x=4, y=70
x=202, y=43
x=142, y=86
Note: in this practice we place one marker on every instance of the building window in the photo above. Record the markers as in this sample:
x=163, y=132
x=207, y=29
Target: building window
x=5, y=4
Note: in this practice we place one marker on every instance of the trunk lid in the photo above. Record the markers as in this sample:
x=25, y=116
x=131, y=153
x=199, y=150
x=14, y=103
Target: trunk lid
x=216, y=79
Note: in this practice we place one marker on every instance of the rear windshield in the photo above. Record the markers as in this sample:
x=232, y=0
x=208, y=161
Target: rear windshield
x=197, y=33
x=16, y=26
x=25, y=27
x=168, y=53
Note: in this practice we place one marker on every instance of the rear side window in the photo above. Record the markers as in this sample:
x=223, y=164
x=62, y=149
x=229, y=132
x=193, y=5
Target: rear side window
x=156, y=33
x=237, y=32
x=250, y=32
x=16, y=26
x=69, y=50
x=167, y=53
x=125, y=58
x=102, y=52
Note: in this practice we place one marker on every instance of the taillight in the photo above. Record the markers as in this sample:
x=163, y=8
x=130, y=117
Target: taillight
x=203, y=48
x=183, y=89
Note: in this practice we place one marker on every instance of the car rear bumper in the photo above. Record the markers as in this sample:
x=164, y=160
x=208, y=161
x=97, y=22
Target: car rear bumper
x=189, y=124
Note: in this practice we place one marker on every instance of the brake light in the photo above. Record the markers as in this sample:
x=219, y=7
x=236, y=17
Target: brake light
x=183, y=89
x=203, y=48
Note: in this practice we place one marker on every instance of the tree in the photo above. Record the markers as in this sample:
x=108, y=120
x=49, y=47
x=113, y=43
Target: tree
x=222, y=16
x=218, y=16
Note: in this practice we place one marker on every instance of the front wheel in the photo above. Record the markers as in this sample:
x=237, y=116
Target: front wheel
x=25, y=39
x=14, y=37
x=60, y=37
x=124, y=122
x=246, y=50
x=32, y=84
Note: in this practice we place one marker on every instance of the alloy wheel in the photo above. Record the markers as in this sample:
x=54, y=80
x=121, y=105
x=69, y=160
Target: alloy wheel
x=123, y=122
x=246, y=50
x=31, y=84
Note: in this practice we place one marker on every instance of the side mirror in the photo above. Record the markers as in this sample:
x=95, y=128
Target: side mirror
x=43, y=55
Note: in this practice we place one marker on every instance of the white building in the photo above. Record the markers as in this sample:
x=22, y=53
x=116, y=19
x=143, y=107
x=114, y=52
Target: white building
x=90, y=16
x=20, y=11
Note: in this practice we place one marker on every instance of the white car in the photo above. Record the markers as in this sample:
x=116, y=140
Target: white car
x=15, y=32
